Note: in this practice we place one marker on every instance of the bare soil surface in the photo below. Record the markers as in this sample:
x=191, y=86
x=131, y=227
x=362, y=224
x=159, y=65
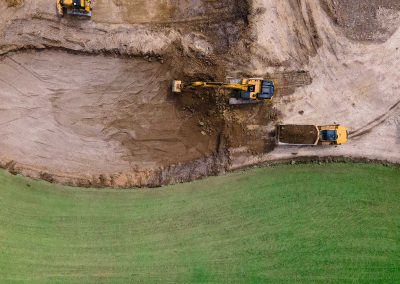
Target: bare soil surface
x=354, y=82
x=372, y=20
x=88, y=102
x=95, y=107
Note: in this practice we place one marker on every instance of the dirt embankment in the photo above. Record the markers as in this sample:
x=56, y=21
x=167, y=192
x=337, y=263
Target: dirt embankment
x=373, y=20
x=89, y=102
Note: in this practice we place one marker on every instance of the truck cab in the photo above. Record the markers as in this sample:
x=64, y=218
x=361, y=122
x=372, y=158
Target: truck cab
x=335, y=134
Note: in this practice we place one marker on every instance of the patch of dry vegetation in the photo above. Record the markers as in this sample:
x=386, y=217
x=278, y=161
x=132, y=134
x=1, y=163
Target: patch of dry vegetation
x=14, y=3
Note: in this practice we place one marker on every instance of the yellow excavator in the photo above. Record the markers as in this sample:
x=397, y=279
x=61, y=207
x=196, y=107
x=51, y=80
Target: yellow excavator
x=74, y=7
x=245, y=91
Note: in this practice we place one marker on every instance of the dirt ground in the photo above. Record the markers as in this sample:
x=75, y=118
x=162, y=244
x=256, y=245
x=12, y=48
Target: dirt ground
x=375, y=20
x=88, y=102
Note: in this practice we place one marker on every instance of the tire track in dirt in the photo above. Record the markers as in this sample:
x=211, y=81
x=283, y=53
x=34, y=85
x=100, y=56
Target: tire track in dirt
x=366, y=129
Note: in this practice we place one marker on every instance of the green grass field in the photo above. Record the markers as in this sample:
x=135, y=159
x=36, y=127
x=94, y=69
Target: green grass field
x=305, y=223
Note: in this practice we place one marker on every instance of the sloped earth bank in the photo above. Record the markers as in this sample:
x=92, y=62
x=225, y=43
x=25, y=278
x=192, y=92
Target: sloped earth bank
x=88, y=102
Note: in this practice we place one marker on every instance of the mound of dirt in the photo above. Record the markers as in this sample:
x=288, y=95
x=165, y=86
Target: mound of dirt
x=298, y=134
x=372, y=20
x=13, y=3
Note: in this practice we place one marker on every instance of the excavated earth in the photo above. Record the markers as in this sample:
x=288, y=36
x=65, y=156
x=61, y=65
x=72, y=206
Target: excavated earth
x=296, y=134
x=88, y=102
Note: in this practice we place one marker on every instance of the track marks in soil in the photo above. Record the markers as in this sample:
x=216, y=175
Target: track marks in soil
x=287, y=82
x=364, y=130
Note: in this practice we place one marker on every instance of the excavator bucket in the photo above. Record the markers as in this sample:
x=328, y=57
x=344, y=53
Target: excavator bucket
x=177, y=86
x=77, y=12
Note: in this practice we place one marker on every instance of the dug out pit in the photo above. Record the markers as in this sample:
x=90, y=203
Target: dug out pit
x=65, y=114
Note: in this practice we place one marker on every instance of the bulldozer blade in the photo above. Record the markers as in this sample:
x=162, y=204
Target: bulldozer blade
x=79, y=13
x=234, y=81
x=235, y=101
x=177, y=86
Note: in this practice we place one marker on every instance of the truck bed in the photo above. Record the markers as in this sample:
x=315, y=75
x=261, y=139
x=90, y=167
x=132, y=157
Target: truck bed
x=297, y=134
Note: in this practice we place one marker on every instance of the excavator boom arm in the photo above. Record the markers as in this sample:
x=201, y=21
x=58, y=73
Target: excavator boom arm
x=248, y=91
x=211, y=85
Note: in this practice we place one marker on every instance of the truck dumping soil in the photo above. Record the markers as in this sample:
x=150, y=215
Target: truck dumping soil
x=298, y=134
x=88, y=102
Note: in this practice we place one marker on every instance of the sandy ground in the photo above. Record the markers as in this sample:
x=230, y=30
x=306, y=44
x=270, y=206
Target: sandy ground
x=93, y=108
x=88, y=102
x=356, y=84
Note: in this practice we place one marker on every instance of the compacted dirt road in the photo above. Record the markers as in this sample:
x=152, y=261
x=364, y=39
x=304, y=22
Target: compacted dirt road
x=88, y=102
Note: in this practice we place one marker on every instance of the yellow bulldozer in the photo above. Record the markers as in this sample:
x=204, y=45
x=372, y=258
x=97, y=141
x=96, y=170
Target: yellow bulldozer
x=244, y=91
x=74, y=7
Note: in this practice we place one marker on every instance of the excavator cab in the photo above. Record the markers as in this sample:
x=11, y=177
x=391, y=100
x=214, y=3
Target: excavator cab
x=258, y=90
x=74, y=7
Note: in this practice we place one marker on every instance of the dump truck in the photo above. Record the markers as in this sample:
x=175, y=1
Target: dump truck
x=293, y=134
x=243, y=91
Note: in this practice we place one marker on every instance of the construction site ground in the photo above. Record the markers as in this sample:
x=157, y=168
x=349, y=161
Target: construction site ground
x=88, y=102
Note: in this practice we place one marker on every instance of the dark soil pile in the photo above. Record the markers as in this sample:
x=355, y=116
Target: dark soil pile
x=297, y=134
x=13, y=3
